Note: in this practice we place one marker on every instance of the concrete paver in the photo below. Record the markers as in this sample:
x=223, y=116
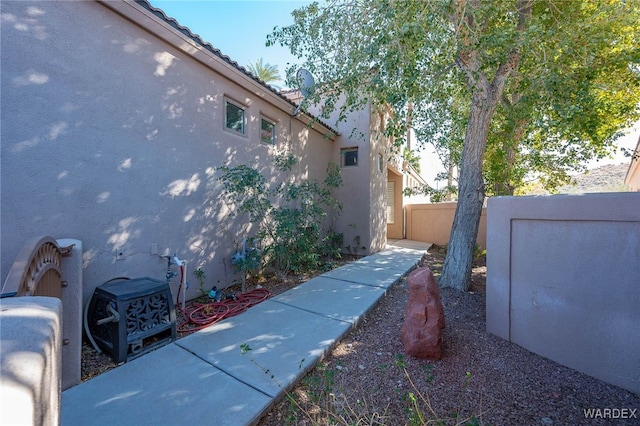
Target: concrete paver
x=368, y=275
x=169, y=386
x=205, y=378
x=337, y=299
x=284, y=340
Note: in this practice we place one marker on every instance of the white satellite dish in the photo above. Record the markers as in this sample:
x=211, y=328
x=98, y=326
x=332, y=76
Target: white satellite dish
x=305, y=82
x=306, y=85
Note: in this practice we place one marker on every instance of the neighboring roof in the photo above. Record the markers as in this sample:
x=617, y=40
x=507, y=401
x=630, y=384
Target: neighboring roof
x=198, y=40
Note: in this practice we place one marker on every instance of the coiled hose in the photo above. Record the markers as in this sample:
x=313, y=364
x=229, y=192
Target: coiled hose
x=201, y=315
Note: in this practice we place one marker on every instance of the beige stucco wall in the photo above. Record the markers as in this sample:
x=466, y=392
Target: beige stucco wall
x=563, y=280
x=432, y=223
x=632, y=178
x=111, y=134
x=355, y=220
x=363, y=219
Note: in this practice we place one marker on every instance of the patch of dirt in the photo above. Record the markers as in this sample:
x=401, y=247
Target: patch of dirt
x=481, y=379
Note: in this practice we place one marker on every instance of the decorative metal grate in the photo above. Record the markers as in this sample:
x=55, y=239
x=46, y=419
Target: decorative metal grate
x=128, y=318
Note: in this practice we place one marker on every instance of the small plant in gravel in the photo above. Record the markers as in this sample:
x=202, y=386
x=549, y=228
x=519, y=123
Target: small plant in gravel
x=428, y=369
x=418, y=404
x=318, y=402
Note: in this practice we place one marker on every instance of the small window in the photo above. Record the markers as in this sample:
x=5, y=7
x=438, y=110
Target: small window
x=234, y=117
x=380, y=163
x=349, y=156
x=267, y=132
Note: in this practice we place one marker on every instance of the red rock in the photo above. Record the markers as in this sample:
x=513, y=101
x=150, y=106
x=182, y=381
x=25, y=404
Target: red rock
x=421, y=332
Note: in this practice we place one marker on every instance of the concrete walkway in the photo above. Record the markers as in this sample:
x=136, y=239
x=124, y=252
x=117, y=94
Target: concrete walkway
x=205, y=378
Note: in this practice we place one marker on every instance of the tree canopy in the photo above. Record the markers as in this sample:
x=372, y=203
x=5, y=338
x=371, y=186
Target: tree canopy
x=264, y=71
x=533, y=85
x=573, y=96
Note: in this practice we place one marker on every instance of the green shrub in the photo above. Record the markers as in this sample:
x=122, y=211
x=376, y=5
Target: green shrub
x=289, y=217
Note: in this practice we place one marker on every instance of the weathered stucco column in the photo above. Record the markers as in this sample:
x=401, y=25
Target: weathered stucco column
x=31, y=366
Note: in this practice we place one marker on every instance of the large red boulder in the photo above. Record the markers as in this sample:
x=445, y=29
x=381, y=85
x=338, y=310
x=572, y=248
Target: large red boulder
x=421, y=332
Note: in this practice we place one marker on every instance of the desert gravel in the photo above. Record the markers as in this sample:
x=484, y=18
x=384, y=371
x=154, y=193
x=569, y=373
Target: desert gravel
x=481, y=379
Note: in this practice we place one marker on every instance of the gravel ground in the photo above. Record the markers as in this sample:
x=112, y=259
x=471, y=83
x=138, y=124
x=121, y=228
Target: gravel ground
x=481, y=378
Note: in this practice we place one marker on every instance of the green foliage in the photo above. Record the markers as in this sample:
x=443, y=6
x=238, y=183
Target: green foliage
x=539, y=86
x=428, y=370
x=357, y=246
x=247, y=259
x=245, y=348
x=478, y=252
x=575, y=92
x=200, y=276
x=289, y=216
x=284, y=162
x=412, y=158
x=331, y=246
x=435, y=195
x=264, y=71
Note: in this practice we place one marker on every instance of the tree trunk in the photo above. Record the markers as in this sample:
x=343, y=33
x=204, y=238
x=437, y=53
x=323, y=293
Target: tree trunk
x=450, y=177
x=456, y=272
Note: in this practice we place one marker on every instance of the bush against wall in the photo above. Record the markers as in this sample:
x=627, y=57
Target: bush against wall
x=294, y=221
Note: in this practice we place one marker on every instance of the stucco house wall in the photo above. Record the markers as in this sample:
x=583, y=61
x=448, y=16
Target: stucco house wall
x=632, y=179
x=357, y=225
x=112, y=127
x=363, y=220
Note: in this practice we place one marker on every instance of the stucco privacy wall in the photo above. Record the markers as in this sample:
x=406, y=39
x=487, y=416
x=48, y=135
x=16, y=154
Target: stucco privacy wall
x=563, y=280
x=432, y=223
x=111, y=133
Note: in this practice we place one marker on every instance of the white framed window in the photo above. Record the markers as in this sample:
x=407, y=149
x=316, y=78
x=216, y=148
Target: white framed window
x=234, y=117
x=349, y=157
x=267, y=132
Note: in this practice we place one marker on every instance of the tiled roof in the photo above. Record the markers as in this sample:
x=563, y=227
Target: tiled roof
x=196, y=38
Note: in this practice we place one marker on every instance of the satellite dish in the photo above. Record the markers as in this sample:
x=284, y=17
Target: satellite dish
x=306, y=85
x=305, y=82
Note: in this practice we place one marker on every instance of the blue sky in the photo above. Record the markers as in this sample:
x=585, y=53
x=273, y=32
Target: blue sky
x=238, y=28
